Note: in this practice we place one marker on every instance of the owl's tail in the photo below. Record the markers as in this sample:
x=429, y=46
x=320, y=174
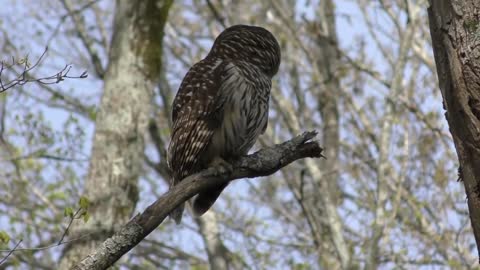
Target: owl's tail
x=177, y=213
x=206, y=199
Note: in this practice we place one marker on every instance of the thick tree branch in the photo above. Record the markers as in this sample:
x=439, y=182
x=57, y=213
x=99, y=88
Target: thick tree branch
x=262, y=163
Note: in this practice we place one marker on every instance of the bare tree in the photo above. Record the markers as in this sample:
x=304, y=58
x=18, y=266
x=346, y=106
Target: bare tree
x=115, y=165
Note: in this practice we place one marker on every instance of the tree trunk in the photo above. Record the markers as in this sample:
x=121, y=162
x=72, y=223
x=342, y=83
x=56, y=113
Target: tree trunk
x=115, y=165
x=455, y=31
x=328, y=98
x=219, y=256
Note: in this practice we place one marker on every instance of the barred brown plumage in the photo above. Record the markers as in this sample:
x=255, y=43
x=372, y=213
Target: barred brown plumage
x=222, y=106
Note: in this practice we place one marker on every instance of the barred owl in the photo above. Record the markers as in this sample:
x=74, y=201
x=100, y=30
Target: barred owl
x=222, y=106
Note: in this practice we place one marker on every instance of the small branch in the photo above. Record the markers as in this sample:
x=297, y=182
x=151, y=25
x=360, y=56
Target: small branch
x=87, y=40
x=70, y=13
x=25, y=77
x=11, y=252
x=262, y=163
x=39, y=248
x=65, y=232
x=220, y=19
x=42, y=154
x=76, y=215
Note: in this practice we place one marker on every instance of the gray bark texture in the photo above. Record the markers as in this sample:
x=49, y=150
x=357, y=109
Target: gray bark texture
x=455, y=31
x=121, y=122
x=261, y=163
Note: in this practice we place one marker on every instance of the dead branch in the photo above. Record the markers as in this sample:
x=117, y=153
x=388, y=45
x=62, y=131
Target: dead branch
x=262, y=163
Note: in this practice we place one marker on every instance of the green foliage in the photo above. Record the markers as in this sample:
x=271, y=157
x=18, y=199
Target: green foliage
x=86, y=216
x=57, y=195
x=68, y=212
x=199, y=267
x=4, y=237
x=84, y=203
x=82, y=212
x=302, y=266
x=454, y=264
x=92, y=112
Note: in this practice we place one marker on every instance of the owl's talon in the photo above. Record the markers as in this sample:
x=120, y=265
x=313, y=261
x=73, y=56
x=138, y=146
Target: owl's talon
x=221, y=166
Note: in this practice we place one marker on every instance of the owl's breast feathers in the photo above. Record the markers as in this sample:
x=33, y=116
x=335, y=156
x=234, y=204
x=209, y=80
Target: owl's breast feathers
x=220, y=110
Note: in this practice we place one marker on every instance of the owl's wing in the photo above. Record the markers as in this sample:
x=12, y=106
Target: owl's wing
x=196, y=114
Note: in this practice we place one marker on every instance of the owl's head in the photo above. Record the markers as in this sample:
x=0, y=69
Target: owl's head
x=253, y=44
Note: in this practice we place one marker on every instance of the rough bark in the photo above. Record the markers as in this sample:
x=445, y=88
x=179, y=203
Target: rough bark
x=261, y=163
x=455, y=31
x=115, y=165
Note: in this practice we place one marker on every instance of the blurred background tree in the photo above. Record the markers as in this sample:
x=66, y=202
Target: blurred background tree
x=361, y=72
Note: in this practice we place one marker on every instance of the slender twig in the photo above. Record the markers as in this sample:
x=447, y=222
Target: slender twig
x=47, y=246
x=41, y=154
x=24, y=76
x=220, y=19
x=11, y=252
x=68, y=14
x=68, y=226
x=59, y=243
x=86, y=39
